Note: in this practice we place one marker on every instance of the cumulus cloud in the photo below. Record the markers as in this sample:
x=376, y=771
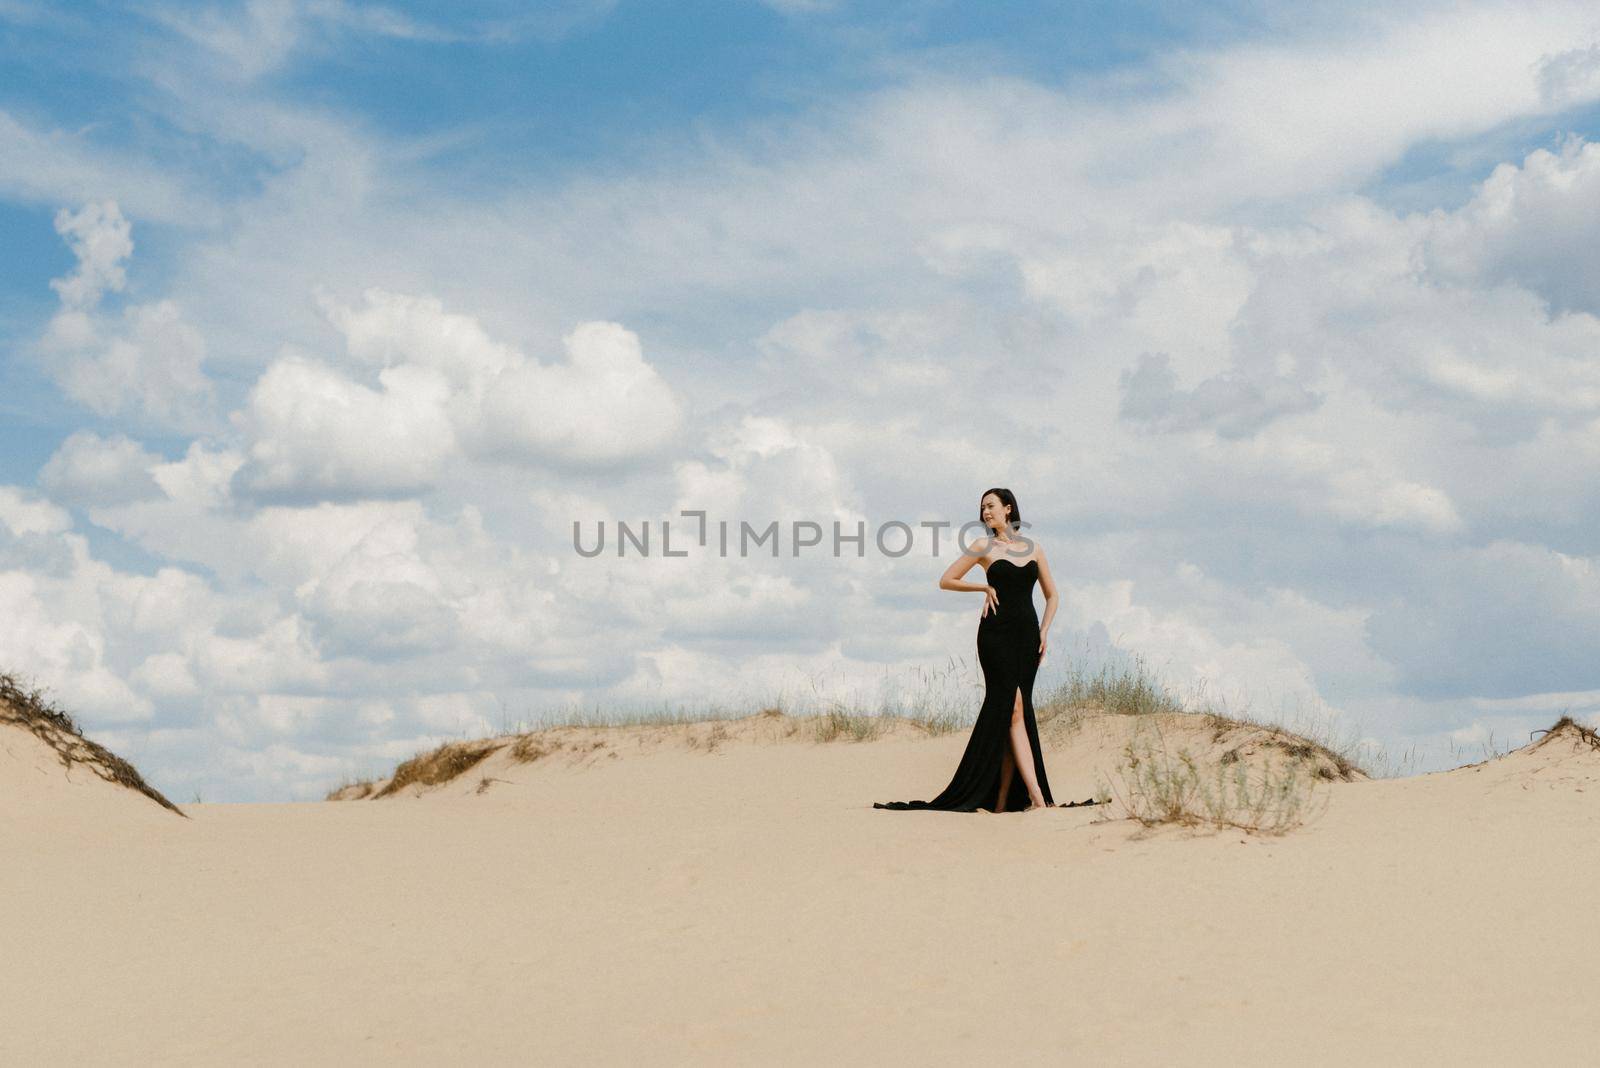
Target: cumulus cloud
x=149, y=365
x=381, y=599
x=22, y=514
x=767, y=466
x=314, y=432
x=396, y=328
x=1533, y=224
x=44, y=628
x=604, y=406
x=101, y=239
x=1570, y=77
x=358, y=599
x=446, y=391
x=88, y=468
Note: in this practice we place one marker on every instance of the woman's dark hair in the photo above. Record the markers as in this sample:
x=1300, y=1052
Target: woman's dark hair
x=1006, y=497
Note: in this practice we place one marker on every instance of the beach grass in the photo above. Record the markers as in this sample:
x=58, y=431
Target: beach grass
x=26, y=706
x=939, y=701
x=1162, y=785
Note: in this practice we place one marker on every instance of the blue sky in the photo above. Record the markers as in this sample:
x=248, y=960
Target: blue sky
x=506, y=95
x=512, y=95
x=325, y=320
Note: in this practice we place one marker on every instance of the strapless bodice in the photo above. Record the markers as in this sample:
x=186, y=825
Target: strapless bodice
x=1013, y=585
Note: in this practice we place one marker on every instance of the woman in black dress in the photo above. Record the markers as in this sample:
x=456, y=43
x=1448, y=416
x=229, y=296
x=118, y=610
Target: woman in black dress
x=1011, y=645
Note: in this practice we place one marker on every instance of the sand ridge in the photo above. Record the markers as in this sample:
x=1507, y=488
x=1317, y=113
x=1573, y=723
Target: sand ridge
x=1090, y=744
x=45, y=761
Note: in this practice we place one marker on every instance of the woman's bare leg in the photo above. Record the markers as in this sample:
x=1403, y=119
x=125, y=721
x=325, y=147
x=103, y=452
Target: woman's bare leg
x=1023, y=755
x=1005, y=780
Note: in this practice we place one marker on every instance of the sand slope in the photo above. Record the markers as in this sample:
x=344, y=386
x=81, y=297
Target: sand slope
x=747, y=904
x=1086, y=748
x=50, y=775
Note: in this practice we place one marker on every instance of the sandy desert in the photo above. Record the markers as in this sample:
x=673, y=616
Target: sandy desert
x=725, y=893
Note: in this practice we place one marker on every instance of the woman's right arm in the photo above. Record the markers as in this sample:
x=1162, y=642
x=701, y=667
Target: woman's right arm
x=951, y=579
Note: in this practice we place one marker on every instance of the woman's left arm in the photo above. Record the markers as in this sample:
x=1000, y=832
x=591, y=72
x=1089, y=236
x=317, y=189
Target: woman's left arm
x=1047, y=583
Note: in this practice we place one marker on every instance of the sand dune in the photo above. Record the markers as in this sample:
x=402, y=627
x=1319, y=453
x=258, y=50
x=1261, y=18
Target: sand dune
x=1087, y=748
x=684, y=898
x=50, y=772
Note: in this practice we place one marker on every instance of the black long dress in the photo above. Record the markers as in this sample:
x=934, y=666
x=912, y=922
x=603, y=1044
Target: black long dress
x=1008, y=652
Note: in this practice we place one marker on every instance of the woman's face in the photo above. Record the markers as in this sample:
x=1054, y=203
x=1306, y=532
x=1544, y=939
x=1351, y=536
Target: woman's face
x=995, y=514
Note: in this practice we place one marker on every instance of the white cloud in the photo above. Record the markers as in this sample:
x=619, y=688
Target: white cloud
x=394, y=328
x=166, y=676
x=242, y=43
x=52, y=166
x=298, y=546
x=604, y=406
x=101, y=239
x=248, y=46
x=1570, y=77
x=151, y=366
x=313, y=432
x=247, y=41
x=49, y=626
x=1532, y=224
x=766, y=468
x=22, y=514
x=103, y=470
x=1317, y=115
x=1364, y=486
x=382, y=599
x=445, y=390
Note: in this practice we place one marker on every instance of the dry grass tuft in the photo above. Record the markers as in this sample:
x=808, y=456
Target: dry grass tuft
x=1567, y=726
x=1160, y=787
x=351, y=790
x=531, y=747
x=839, y=723
x=1325, y=763
x=439, y=766
x=714, y=737
x=1122, y=690
x=53, y=726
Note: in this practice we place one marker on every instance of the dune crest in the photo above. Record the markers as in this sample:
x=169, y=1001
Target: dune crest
x=43, y=754
x=1086, y=742
x=1567, y=756
x=508, y=758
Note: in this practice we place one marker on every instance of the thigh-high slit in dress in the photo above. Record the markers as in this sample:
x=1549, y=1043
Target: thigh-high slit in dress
x=1008, y=652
